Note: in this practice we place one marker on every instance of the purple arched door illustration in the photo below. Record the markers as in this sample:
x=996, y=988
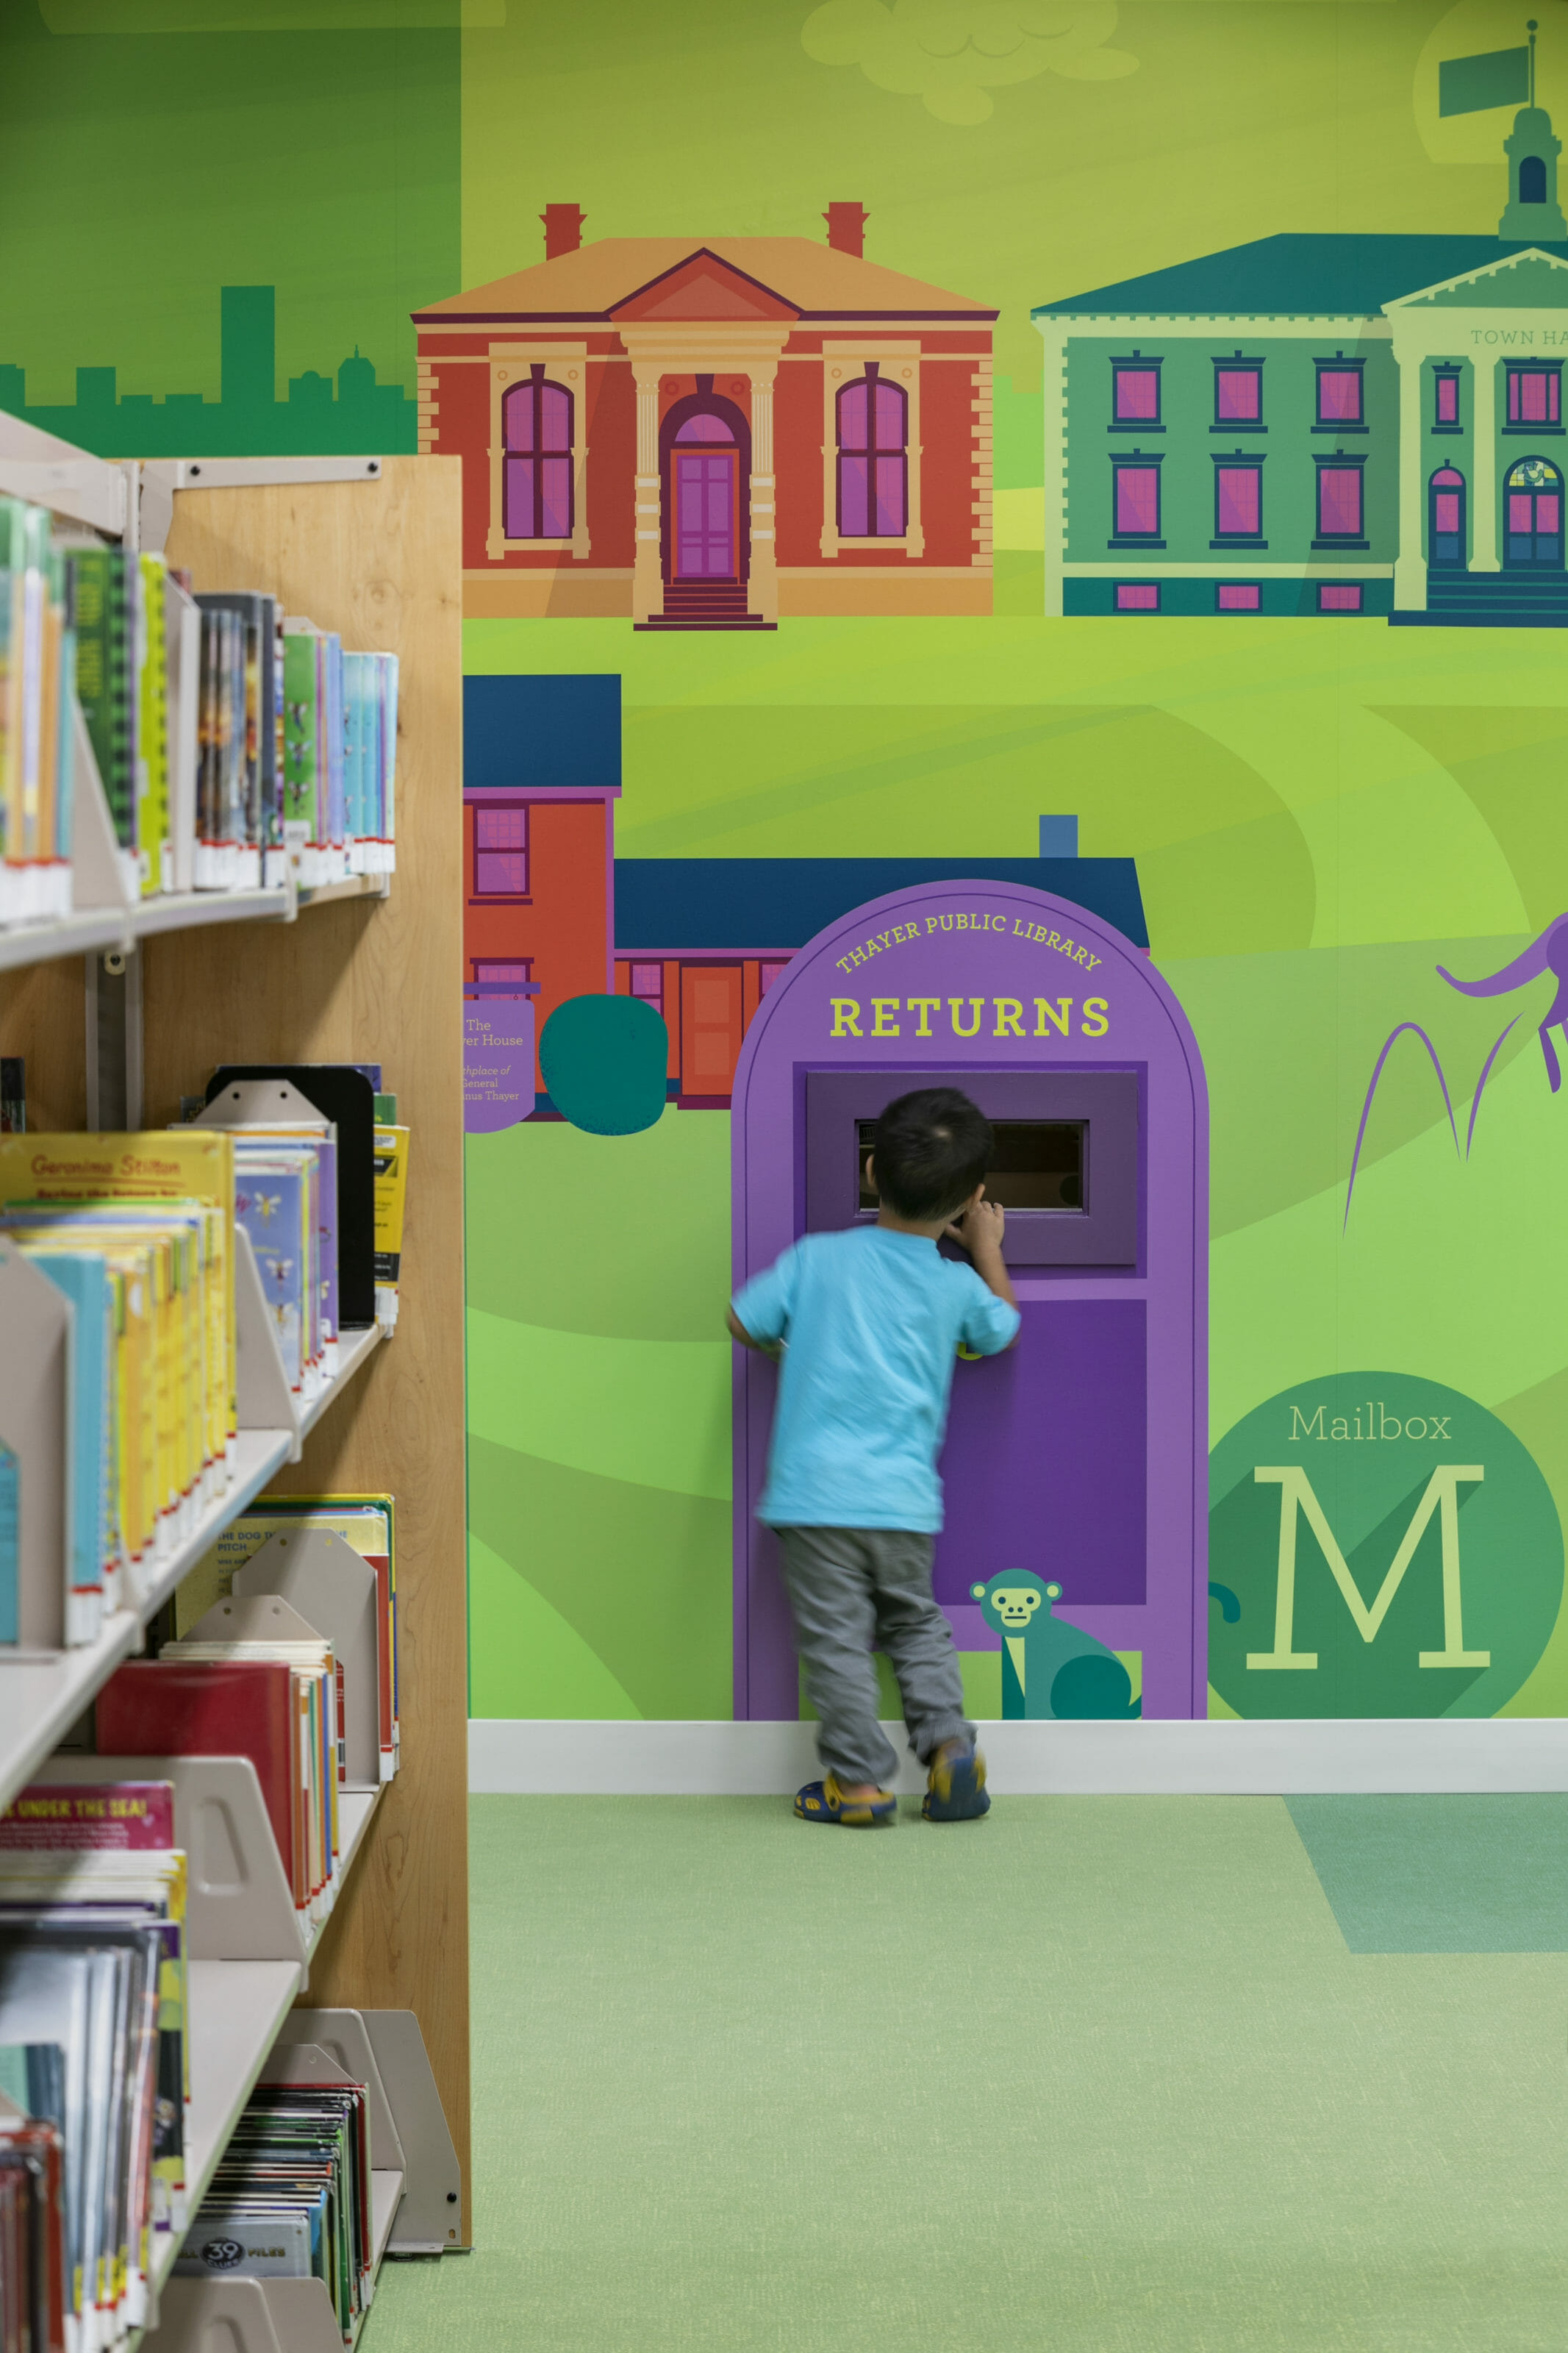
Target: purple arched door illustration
x=705, y=483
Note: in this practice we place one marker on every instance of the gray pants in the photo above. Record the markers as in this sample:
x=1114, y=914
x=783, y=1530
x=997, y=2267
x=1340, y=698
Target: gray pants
x=853, y=1591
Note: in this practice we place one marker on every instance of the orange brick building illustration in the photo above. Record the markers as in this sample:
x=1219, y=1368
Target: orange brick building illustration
x=713, y=435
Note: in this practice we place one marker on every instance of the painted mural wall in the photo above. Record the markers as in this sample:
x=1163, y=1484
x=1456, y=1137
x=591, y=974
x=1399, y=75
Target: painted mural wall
x=1107, y=453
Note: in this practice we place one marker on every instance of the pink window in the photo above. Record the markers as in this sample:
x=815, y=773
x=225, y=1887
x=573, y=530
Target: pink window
x=1339, y=396
x=1237, y=396
x=1137, y=501
x=1446, y=510
x=536, y=486
x=1520, y=510
x=705, y=427
x=873, y=460
x=1239, y=501
x=1534, y=397
x=1339, y=597
x=1137, y=597
x=1339, y=502
x=1547, y=509
x=500, y=852
x=1137, y=396
x=1448, y=410
x=1237, y=597
x=766, y=976
x=496, y=975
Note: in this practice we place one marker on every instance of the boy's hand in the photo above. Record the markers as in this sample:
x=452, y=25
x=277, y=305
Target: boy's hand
x=980, y=1229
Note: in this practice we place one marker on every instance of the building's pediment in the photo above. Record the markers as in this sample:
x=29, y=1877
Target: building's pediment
x=1530, y=280
x=703, y=287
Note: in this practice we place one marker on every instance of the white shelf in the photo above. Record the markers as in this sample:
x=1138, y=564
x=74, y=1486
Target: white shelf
x=93, y=929
x=237, y=2008
x=182, y=911
x=356, y=1808
x=87, y=934
x=354, y=1346
x=353, y=886
x=41, y=1695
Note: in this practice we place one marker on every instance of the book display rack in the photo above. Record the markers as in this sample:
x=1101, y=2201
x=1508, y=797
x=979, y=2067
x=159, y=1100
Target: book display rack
x=121, y=1011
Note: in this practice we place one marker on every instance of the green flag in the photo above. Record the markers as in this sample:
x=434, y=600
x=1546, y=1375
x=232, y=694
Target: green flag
x=1498, y=77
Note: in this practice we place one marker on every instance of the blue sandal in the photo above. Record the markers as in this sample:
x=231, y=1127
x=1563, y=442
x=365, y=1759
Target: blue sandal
x=822, y=1801
x=955, y=1790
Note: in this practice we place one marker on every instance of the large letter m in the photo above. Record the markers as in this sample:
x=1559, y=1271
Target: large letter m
x=1296, y=1496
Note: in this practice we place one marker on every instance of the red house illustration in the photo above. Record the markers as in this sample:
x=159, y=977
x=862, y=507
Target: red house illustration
x=709, y=435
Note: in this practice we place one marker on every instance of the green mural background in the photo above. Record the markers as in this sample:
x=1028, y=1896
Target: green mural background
x=1321, y=812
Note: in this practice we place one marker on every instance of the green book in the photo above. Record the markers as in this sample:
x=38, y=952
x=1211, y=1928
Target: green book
x=304, y=763
x=153, y=734
x=105, y=587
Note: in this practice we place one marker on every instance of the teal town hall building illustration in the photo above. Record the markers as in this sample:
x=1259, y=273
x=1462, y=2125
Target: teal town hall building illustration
x=1321, y=424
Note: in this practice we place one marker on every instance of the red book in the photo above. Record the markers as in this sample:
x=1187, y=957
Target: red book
x=387, y=1696
x=32, y=2169
x=238, y=1707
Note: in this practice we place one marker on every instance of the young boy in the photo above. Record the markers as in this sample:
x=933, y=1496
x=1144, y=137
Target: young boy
x=867, y=1325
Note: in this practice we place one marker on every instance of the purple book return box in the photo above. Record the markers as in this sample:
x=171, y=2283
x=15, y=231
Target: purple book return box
x=1081, y=1454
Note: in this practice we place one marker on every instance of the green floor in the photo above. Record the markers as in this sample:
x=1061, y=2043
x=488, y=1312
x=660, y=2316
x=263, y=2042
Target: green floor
x=1099, y=2074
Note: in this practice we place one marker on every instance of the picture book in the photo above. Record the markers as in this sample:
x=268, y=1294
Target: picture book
x=391, y=1194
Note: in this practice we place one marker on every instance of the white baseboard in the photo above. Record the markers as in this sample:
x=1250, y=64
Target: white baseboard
x=1357, y=1755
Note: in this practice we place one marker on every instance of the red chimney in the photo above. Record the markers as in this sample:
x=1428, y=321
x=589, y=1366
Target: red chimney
x=847, y=229
x=562, y=229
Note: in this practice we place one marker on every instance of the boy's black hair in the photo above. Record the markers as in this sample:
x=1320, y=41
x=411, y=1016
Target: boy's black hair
x=932, y=1149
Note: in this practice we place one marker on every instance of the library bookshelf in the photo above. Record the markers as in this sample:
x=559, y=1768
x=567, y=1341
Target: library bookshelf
x=360, y=972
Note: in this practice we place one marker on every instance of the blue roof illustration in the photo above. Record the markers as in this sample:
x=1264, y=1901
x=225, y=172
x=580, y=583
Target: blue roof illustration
x=747, y=903
x=1294, y=277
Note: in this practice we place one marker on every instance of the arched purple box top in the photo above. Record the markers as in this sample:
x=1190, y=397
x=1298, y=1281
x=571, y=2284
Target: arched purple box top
x=1082, y=1453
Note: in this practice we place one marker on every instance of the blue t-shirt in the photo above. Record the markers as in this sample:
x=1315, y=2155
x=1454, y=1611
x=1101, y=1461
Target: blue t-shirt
x=871, y=1321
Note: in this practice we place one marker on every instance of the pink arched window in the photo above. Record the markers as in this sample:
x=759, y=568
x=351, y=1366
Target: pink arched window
x=536, y=428
x=705, y=427
x=873, y=458
x=1447, y=488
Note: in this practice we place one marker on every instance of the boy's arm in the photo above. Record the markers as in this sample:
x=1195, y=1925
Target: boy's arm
x=979, y=1230
x=739, y=1332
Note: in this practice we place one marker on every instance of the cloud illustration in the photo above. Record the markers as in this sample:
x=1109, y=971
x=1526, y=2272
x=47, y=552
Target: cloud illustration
x=954, y=53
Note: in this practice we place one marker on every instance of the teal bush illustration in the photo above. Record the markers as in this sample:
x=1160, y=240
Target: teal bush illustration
x=604, y=1061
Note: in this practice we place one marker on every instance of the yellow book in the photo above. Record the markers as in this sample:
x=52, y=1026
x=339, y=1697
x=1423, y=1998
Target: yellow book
x=172, y=1235
x=127, y=1462
x=153, y=733
x=391, y=1161
x=186, y=1165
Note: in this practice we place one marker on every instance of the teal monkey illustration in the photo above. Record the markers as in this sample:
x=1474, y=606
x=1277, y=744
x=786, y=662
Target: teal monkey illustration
x=1049, y=1669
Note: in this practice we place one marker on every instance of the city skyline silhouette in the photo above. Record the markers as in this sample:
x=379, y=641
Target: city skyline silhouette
x=320, y=418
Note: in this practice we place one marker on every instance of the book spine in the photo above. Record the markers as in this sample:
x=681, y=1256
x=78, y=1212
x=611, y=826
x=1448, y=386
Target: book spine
x=300, y=750
x=98, y=595
x=158, y=856
x=64, y=770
